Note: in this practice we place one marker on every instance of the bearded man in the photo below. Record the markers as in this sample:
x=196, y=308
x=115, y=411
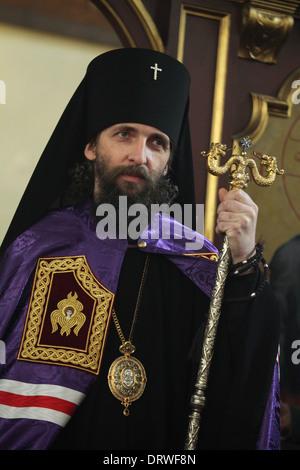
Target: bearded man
x=103, y=334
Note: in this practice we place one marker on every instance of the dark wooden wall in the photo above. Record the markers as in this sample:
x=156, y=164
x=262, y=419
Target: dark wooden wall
x=233, y=48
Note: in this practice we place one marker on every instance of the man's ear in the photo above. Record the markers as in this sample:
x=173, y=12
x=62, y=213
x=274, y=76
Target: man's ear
x=90, y=151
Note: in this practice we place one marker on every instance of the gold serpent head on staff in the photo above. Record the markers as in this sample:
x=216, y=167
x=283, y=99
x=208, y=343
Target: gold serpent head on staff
x=238, y=166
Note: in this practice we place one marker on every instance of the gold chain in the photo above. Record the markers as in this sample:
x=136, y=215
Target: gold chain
x=126, y=376
x=139, y=297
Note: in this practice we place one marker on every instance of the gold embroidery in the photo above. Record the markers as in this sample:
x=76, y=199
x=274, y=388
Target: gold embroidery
x=68, y=315
x=87, y=353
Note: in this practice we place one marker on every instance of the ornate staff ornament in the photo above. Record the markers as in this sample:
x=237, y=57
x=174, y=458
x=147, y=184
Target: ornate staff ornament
x=238, y=166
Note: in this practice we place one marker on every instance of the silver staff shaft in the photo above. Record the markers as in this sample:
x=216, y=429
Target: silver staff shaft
x=198, y=398
x=238, y=167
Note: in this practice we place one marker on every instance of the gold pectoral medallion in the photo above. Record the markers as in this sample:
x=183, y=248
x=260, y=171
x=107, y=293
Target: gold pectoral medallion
x=127, y=377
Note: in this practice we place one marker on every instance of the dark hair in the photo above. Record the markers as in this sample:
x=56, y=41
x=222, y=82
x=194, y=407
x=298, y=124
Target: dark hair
x=81, y=184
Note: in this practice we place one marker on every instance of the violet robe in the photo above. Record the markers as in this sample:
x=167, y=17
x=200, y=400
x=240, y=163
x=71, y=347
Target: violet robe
x=48, y=377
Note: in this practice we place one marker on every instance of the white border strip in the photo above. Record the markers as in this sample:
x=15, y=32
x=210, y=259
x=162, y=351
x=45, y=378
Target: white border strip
x=30, y=389
x=36, y=413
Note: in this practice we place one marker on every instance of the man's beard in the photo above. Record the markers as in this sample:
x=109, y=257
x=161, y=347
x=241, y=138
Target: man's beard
x=152, y=189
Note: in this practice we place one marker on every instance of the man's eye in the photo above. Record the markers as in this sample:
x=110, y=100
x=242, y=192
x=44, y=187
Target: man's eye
x=159, y=142
x=123, y=134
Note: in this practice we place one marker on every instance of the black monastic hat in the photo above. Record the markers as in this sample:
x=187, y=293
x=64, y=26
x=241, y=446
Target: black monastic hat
x=123, y=85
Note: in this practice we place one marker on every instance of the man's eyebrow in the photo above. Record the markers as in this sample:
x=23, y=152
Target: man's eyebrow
x=124, y=127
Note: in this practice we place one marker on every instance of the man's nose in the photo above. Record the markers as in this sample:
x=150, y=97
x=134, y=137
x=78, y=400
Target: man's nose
x=138, y=152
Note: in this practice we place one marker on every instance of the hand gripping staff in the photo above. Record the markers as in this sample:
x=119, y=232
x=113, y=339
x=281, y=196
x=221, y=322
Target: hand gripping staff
x=238, y=179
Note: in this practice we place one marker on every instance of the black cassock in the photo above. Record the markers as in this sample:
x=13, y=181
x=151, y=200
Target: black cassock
x=167, y=339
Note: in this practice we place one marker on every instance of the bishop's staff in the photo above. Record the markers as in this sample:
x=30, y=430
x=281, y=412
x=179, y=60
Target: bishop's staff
x=238, y=179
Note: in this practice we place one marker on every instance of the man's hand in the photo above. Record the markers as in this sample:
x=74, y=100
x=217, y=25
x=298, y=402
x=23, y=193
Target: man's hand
x=237, y=217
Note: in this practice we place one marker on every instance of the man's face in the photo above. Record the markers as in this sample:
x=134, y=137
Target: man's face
x=130, y=158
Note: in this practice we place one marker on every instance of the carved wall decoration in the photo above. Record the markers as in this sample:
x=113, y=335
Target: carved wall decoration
x=138, y=30
x=274, y=128
x=264, y=33
x=222, y=21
